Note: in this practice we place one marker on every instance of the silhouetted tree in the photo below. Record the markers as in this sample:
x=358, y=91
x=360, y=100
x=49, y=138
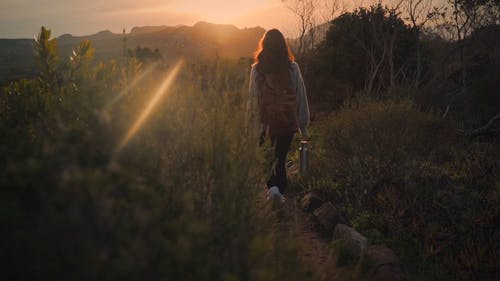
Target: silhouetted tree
x=305, y=12
x=467, y=16
x=418, y=13
x=370, y=49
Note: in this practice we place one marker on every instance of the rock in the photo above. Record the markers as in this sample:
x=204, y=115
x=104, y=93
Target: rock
x=327, y=216
x=379, y=254
x=310, y=202
x=379, y=263
x=387, y=273
x=354, y=241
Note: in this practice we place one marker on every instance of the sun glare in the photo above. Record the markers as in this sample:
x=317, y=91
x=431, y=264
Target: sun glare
x=160, y=92
x=132, y=85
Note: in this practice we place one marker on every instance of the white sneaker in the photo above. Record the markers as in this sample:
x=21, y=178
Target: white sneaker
x=274, y=195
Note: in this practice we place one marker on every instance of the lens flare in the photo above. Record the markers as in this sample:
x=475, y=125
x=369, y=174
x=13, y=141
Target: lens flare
x=165, y=85
x=132, y=85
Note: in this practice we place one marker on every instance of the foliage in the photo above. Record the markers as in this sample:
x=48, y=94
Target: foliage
x=46, y=54
x=379, y=143
x=365, y=50
x=443, y=90
x=183, y=190
x=402, y=178
x=372, y=51
x=178, y=202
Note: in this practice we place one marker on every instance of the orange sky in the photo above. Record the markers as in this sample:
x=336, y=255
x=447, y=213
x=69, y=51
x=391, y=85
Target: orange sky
x=23, y=18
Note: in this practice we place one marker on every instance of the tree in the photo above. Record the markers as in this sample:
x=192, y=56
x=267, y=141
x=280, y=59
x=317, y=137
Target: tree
x=418, y=13
x=467, y=16
x=79, y=64
x=387, y=45
x=330, y=9
x=312, y=14
x=460, y=20
x=82, y=55
x=305, y=12
x=46, y=58
x=369, y=50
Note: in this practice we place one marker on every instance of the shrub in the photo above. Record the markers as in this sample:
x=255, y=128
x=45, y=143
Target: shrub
x=403, y=178
x=371, y=144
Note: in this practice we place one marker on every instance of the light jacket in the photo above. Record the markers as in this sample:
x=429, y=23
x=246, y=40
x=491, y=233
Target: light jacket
x=298, y=86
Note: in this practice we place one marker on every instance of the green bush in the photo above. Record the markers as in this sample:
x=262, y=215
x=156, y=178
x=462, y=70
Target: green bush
x=371, y=144
x=404, y=178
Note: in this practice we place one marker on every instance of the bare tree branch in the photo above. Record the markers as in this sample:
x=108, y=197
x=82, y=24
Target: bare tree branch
x=305, y=12
x=330, y=9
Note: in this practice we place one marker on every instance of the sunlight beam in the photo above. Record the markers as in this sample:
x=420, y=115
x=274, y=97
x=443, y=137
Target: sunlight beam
x=131, y=85
x=150, y=106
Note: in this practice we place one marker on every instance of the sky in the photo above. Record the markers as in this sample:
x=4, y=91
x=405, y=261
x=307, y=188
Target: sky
x=23, y=18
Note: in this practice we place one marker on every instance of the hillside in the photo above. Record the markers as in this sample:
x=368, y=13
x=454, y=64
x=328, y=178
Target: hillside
x=16, y=58
x=198, y=42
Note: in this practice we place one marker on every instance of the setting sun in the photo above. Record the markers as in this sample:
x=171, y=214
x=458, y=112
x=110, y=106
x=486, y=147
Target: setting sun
x=221, y=10
x=83, y=18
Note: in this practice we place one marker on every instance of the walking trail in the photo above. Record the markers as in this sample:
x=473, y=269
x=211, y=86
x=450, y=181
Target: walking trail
x=313, y=243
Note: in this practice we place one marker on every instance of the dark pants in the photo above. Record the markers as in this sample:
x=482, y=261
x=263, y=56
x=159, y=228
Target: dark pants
x=281, y=148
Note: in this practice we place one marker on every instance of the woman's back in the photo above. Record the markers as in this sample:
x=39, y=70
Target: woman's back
x=277, y=87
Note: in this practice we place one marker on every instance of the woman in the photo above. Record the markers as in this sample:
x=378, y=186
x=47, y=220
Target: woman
x=276, y=86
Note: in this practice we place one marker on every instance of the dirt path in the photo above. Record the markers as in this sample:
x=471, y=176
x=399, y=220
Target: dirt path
x=314, y=246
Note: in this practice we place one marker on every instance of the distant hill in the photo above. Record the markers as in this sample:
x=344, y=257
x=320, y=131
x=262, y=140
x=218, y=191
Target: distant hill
x=16, y=58
x=150, y=29
x=201, y=41
x=198, y=42
x=316, y=33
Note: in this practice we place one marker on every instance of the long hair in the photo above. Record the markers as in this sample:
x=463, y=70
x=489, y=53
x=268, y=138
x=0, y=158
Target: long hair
x=274, y=57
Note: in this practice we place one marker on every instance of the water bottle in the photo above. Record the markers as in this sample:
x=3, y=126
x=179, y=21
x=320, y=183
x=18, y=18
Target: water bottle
x=304, y=161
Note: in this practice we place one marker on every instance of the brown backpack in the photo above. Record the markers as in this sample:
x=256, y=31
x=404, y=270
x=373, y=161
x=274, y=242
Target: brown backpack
x=278, y=109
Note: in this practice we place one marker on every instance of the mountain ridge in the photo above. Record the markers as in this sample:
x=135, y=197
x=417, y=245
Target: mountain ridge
x=201, y=41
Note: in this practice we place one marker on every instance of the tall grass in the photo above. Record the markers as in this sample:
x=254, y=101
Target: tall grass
x=179, y=202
